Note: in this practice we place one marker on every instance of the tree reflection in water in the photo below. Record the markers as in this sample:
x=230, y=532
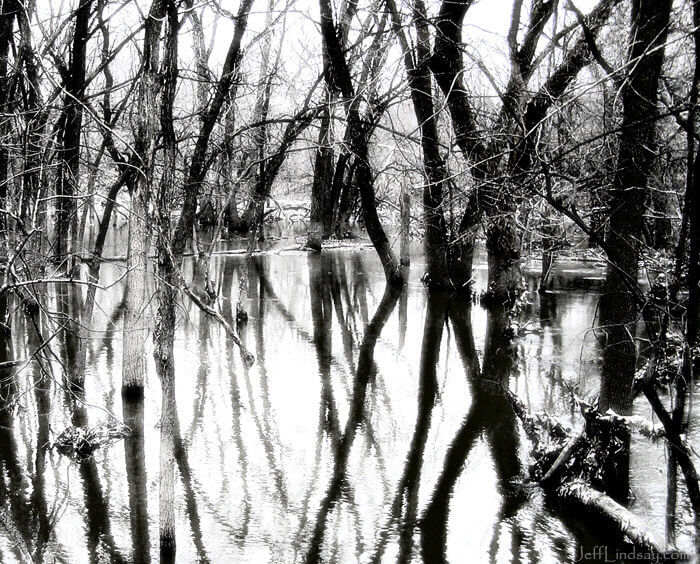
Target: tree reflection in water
x=368, y=429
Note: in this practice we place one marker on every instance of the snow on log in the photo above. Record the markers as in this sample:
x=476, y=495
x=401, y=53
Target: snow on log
x=638, y=532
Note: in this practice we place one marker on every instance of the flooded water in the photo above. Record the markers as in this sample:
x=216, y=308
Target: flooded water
x=368, y=429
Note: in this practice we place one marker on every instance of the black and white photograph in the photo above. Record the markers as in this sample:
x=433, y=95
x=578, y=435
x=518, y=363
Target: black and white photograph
x=349, y=281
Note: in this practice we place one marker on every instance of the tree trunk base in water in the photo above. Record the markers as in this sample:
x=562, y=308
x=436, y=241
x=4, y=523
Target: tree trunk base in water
x=167, y=549
x=314, y=238
x=505, y=282
x=132, y=392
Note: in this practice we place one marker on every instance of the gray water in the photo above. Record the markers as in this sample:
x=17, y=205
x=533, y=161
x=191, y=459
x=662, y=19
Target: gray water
x=331, y=444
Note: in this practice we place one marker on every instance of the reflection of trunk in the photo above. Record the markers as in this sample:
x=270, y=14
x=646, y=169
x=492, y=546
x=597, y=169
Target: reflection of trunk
x=490, y=414
x=97, y=523
x=255, y=284
x=365, y=373
x=12, y=483
x=338, y=289
x=407, y=495
x=236, y=404
x=42, y=396
x=98, y=530
x=183, y=466
x=135, y=459
x=321, y=314
x=13, y=503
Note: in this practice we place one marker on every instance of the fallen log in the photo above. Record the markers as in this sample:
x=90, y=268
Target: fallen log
x=635, y=529
x=562, y=469
x=211, y=312
x=564, y=456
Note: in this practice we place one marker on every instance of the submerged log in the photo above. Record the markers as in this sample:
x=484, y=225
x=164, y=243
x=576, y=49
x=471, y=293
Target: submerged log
x=566, y=463
x=634, y=528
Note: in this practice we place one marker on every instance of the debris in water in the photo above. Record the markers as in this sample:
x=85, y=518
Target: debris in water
x=241, y=313
x=78, y=443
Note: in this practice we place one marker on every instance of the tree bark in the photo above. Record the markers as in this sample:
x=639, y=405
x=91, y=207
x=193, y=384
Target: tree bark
x=164, y=330
x=68, y=182
x=484, y=153
x=199, y=163
x=417, y=63
x=134, y=348
x=323, y=174
x=337, y=76
x=10, y=10
x=628, y=198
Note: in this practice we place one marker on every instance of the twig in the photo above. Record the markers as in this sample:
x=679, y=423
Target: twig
x=247, y=355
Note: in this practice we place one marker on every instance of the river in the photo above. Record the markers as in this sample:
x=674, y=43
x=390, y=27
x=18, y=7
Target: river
x=367, y=429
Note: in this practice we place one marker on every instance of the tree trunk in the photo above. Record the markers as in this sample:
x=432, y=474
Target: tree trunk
x=405, y=240
x=626, y=208
x=68, y=182
x=323, y=174
x=134, y=348
x=199, y=163
x=164, y=327
x=417, y=63
x=10, y=10
x=338, y=78
x=628, y=199
x=503, y=248
x=347, y=200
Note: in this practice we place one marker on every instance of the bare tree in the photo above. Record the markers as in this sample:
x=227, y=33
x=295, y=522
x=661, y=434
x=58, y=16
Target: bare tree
x=497, y=184
x=338, y=79
x=138, y=243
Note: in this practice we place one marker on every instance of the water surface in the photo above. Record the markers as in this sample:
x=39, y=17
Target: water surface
x=373, y=425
